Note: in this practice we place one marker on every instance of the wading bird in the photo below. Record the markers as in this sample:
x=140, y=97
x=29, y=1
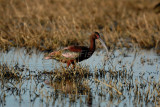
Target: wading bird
x=73, y=54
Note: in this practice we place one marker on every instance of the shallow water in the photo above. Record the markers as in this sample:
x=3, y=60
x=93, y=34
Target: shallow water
x=134, y=73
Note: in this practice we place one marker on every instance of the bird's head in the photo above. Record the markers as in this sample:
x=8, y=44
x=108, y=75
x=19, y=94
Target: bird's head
x=96, y=35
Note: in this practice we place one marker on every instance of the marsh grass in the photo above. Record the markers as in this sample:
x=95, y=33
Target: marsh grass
x=76, y=74
x=10, y=73
x=50, y=24
x=115, y=85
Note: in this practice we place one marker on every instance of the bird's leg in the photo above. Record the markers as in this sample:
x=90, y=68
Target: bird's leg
x=68, y=64
x=73, y=66
x=71, y=62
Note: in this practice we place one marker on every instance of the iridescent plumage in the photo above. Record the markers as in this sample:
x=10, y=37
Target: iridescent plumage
x=73, y=54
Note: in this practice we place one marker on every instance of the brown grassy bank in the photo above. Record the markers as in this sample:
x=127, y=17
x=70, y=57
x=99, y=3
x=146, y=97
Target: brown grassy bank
x=49, y=24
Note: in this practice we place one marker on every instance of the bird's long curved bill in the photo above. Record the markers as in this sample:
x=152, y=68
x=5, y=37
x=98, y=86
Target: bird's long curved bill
x=104, y=45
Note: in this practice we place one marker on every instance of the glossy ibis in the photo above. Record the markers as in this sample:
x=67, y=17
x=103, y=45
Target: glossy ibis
x=73, y=54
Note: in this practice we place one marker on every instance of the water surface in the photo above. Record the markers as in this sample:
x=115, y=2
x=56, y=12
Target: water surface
x=134, y=73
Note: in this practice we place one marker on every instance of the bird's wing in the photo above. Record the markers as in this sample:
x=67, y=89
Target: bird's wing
x=71, y=52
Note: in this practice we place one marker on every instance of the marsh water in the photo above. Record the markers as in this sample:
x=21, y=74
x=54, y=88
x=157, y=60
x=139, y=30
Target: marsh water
x=125, y=78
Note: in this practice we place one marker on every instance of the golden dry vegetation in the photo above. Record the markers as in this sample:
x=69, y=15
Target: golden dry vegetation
x=48, y=24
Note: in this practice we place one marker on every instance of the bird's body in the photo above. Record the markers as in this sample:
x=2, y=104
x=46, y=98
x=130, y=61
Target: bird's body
x=73, y=54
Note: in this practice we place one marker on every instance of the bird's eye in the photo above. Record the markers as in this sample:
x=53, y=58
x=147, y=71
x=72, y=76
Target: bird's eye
x=97, y=36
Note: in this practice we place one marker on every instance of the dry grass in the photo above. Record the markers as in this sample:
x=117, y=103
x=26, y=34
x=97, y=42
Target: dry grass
x=49, y=24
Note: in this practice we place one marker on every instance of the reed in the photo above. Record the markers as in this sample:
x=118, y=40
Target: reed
x=50, y=24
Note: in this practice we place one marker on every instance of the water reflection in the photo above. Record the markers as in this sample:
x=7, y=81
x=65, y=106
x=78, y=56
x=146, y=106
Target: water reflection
x=72, y=88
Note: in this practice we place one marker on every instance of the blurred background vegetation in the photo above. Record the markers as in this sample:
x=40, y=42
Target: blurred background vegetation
x=48, y=24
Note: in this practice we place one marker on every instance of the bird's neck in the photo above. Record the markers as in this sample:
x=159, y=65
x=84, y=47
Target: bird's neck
x=92, y=44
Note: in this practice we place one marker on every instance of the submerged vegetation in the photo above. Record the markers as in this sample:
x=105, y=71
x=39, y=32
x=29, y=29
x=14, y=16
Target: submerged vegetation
x=50, y=24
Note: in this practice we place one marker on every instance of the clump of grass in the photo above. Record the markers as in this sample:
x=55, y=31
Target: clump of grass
x=10, y=73
x=77, y=87
x=76, y=74
x=69, y=81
